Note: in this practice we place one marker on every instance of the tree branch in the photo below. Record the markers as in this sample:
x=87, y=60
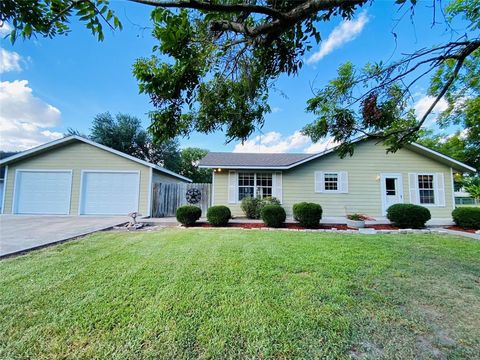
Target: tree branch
x=202, y=5
x=281, y=23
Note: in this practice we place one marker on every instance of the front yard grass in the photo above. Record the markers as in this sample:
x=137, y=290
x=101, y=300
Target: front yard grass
x=243, y=294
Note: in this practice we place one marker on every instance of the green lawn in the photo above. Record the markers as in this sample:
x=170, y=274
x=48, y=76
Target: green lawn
x=243, y=293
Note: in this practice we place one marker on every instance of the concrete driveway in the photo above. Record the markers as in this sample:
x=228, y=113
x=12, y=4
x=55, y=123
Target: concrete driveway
x=25, y=232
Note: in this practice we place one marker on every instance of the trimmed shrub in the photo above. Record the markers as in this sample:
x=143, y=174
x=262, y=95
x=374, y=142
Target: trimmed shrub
x=218, y=215
x=408, y=215
x=187, y=215
x=273, y=215
x=249, y=207
x=307, y=214
x=264, y=202
x=467, y=217
x=252, y=207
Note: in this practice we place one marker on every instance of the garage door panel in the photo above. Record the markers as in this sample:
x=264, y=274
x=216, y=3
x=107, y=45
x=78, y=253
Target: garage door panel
x=109, y=193
x=43, y=192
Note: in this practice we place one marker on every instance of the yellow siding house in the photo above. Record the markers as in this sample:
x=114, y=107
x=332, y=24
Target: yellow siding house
x=368, y=182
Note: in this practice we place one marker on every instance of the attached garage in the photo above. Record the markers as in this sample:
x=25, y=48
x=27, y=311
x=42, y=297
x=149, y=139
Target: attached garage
x=109, y=192
x=42, y=192
x=76, y=176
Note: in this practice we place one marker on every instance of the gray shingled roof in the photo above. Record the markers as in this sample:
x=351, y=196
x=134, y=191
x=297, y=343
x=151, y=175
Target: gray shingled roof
x=227, y=159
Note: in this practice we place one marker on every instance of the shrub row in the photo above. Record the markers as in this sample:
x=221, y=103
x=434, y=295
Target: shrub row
x=216, y=215
x=310, y=214
x=415, y=216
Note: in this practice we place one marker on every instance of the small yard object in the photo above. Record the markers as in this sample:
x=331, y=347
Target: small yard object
x=133, y=224
x=187, y=215
x=408, y=215
x=218, y=215
x=467, y=217
x=307, y=214
x=193, y=196
x=273, y=215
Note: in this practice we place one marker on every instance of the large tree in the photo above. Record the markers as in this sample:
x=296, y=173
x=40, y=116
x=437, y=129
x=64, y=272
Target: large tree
x=190, y=157
x=216, y=61
x=126, y=134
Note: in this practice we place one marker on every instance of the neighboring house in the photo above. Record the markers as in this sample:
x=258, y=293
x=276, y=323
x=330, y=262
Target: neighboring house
x=367, y=182
x=463, y=198
x=76, y=176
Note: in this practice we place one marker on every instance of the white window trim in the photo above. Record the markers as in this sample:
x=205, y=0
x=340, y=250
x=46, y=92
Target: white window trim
x=436, y=195
x=254, y=183
x=340, y=188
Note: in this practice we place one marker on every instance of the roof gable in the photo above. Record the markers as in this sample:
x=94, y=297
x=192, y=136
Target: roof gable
x=69, y=139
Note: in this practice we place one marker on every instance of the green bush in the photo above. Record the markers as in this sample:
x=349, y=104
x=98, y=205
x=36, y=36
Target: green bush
x=273, y=215
x=307, y=214
x=249, y=207
x=408, y=215
x=252, y=207
x=218, y=215
x=467, y=217
x=187, y=215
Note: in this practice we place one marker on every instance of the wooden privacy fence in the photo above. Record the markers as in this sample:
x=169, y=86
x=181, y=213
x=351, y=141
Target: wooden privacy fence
x=166, y=198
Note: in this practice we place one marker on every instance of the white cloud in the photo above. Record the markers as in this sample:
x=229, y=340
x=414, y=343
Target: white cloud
x=5, y=29
x=423, y=104
x=274, y=142
x=321, y=146
x=345, y=32
x=276, y=109
x=9, y=61
x=25, y=120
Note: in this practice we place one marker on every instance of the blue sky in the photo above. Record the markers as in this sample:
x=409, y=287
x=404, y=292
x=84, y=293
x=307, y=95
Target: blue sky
x=50, y=85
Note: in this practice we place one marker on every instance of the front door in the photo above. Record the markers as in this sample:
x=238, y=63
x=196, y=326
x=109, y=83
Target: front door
x=392, y=190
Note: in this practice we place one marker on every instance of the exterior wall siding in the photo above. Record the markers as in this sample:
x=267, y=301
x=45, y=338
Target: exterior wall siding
x=78, y=156
x=159, y=177
x=364, y=192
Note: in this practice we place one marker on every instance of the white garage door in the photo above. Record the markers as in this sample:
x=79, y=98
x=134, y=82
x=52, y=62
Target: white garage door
x=109, y=193
x=42, y=192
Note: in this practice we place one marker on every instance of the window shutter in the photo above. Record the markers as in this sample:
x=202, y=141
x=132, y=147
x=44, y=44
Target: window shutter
x=319, y=184
x=413, y=186
x=277, y=184
x=439, y=189
x=232, y=187
x=343, y=181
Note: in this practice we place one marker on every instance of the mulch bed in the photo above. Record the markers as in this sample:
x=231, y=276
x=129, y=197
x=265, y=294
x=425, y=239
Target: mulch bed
x=294, y=226
x=458, y=228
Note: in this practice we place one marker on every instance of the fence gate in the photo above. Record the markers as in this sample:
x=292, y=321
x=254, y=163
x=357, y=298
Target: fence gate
x=166, y=198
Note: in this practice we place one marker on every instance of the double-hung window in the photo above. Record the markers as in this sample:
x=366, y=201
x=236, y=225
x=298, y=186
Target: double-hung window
x=426, y=189
x=246, y=185
x=264, y=185
x=331, y=181
x=254, y=185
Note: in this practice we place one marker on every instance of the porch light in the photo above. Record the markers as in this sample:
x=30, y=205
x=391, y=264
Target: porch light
x=219, y=170
x=377, y=177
